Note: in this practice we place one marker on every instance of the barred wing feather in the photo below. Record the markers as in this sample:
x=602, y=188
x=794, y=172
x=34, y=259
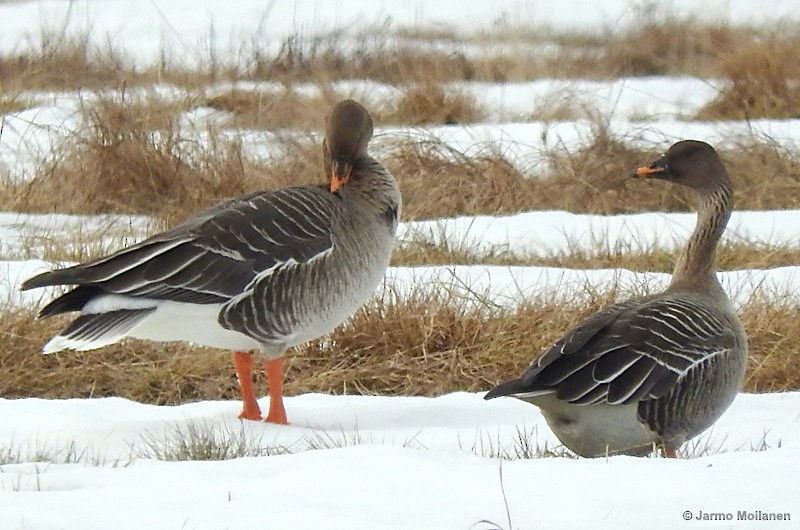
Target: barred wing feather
x=632, y=351
x=212, y=257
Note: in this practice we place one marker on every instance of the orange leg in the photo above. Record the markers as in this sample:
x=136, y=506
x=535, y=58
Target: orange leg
x=243, y=362
x=274, y=369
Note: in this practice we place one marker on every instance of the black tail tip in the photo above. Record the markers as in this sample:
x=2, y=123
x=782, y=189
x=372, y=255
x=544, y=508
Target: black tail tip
x=491, y=394
x=503, y=389
x=35, y=281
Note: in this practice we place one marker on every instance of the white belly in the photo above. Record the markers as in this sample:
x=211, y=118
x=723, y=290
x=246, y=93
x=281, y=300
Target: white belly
x=597, y=430
x=194, y=323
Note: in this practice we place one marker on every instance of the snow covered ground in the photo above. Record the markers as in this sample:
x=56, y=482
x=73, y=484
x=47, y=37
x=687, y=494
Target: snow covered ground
x=397, y=462
x=422, y=463
x=525, y=234
x=146, y=29
x=646, y=112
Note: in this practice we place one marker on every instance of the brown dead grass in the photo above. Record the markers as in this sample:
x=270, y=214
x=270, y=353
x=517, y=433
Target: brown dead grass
x=438, y=181
x=269, y=110
x=664, y=44
x=132, y=158
x=660, y=44
x=313, y=60
x=765, y=174
x=595, y=179
x=764, y=81
x=146, y=372
x=430, y=103
x=426, y=344
x=671, y=45
x=772, y=365
x=67, y=63
x=9, y=104
x=729, y=257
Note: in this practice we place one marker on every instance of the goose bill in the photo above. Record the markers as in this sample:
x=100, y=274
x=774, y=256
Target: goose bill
x=646, y=172
x=340, y=174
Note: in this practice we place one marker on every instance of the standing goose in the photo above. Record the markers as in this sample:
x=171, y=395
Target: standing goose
x=265, y=271
x=652, y=371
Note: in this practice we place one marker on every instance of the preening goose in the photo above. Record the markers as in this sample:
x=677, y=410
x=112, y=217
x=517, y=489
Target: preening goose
x=263, y=272
x=652, y=371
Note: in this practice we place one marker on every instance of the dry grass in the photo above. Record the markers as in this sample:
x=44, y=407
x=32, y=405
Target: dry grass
x=772, y=365
x=317, y=60
x=269, y=110
x=670, y=45
x=729, y=257
x=201, y=441
x=58, y=62
x=425, y=345
x=524, y=445
x=9, y=103
x=133, y=158
x=595, y=178
x=428, y=343
x=147, y=372
x=764, y=81
x=439, y=181
x=650, y=46
x=74, y=241
x=560, y=105
x=431, y=103
x=766, y=175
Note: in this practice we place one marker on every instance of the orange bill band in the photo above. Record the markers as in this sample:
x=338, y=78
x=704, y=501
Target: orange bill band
x=340, y=175
x=644, y=172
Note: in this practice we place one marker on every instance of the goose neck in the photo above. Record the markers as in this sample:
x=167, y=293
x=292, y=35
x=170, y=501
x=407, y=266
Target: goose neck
x=696, y=266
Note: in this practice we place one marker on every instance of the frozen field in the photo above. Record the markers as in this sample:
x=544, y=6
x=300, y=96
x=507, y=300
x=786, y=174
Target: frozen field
x=371, y=462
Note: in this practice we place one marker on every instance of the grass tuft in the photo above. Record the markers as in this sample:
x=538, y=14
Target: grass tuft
x=270, y=110
x=430, y=103
x=440, y=181
x=771, y=367
x=524, y=446
x=68, y=453
x=14, y=103
x=201, y=441
x=132, y=157
x=322, y=440
x=67, y=62
x=763, y=82
x=652, y=46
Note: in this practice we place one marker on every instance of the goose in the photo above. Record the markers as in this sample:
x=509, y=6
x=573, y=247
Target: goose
x=257, y=274
x=650, y=372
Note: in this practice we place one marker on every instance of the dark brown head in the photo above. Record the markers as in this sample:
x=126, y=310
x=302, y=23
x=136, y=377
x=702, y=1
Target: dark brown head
x=348, y=130
x=689, y=163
